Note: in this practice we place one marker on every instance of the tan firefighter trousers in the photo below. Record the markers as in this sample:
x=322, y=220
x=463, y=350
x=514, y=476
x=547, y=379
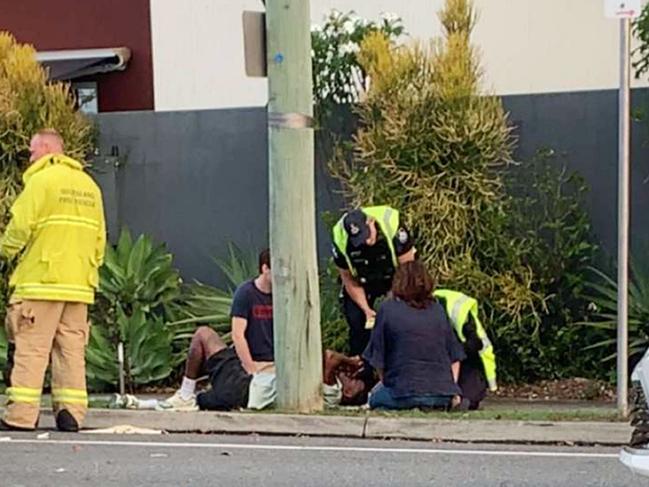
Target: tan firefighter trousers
x=40, y=329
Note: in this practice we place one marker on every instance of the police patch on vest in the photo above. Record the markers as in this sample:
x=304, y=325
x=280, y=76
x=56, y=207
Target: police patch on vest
x=402, y=236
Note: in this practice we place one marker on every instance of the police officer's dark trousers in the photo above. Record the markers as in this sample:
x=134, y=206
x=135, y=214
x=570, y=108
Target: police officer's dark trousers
x=359, y=337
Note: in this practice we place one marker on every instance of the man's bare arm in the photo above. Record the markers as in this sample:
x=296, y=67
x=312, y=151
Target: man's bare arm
x=239, y=326
x=356, y=292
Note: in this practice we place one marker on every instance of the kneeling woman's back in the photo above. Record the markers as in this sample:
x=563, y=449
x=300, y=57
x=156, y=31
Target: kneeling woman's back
x=413, y=347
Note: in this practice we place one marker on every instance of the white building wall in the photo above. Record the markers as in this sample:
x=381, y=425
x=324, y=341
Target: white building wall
x=527, y=46
x=198, y=55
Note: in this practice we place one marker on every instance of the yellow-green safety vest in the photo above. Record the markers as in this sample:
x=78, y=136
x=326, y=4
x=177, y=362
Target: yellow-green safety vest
x=458, y=307
x=387, y=219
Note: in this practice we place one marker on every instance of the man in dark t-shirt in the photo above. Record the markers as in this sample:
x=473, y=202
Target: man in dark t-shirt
x=252, y=323
x=231, y=368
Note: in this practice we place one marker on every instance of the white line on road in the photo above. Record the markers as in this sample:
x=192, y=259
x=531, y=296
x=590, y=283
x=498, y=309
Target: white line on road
x=239, y=446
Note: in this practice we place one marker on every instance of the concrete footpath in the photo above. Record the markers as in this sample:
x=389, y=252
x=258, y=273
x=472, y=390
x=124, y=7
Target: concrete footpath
x=368, y=426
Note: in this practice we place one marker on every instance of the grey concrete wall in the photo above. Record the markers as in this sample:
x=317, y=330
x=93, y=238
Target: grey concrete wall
x=582, y=128
x=199, y=180
x=194, y=180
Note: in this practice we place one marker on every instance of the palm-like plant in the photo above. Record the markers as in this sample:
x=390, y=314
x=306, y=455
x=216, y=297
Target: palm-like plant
x=148, y=355
x=203, y=304
x=138, y=274
x=603, y=296
x=136, y=284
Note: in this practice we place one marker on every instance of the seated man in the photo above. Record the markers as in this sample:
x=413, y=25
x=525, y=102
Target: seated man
x=231, y=369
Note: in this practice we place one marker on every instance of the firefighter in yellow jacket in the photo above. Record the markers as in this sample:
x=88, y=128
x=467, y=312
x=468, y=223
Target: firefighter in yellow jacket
x=57, y=234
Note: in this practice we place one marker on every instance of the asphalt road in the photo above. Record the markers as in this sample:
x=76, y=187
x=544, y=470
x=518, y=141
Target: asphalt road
x=210, y=460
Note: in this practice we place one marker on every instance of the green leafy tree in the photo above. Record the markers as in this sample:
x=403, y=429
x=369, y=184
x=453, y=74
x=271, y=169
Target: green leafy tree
x=338, y=77
x=641, y=52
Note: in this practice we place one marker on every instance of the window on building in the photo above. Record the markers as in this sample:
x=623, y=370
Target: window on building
x=85, y=94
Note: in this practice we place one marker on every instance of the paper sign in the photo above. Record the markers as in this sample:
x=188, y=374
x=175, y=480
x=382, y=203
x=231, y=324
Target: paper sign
x=622, y=9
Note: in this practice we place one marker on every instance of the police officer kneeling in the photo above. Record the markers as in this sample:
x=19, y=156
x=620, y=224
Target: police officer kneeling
x=478, y=370
x=368, y=245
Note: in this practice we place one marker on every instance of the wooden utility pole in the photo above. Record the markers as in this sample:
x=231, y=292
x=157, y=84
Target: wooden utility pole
x=296, y=301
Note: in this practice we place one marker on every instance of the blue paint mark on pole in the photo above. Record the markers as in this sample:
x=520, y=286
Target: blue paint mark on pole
x=279, y=58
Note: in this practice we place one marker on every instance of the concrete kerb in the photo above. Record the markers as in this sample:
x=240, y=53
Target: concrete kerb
x=371, y=427
x=478, y=431
x=222, y=422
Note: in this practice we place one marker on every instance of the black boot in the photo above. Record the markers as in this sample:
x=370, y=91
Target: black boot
x=66, y=422
x=8, y=427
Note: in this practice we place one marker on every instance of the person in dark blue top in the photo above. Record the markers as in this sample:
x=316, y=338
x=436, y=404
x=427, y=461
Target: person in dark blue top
x=413, y=347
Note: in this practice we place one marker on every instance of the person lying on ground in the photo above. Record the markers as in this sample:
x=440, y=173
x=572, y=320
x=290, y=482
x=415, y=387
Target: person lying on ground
x=413, y=348
x=343, y=384
x=231, y=369
x=232, y=388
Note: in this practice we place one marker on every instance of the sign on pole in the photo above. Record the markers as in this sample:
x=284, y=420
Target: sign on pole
x=622, y=9
x=254, y=42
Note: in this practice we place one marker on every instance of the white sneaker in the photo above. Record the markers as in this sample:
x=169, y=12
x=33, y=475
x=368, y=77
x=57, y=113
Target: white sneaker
x=636, y=459
x=177, y=403
x=130, y=401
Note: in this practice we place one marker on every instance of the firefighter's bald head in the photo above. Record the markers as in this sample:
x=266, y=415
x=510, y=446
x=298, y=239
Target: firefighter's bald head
x=44, y=142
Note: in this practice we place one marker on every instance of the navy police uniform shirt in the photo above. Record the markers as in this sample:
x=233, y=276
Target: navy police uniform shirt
x=374, y=263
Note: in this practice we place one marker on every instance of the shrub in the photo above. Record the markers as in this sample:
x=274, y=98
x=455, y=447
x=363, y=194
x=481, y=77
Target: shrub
x=148, y=355
x=602, y=291
x=338, y=77
x=207, y=305
x=641, y=52
x=334, y=327
x=546, y=213
x=136, y=284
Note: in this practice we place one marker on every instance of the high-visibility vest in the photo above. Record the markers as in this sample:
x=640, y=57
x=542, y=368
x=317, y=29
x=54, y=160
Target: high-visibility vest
x=387, y=219
x=458, y=308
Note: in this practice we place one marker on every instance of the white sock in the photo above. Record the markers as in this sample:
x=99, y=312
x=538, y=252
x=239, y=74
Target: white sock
x=187, y=388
